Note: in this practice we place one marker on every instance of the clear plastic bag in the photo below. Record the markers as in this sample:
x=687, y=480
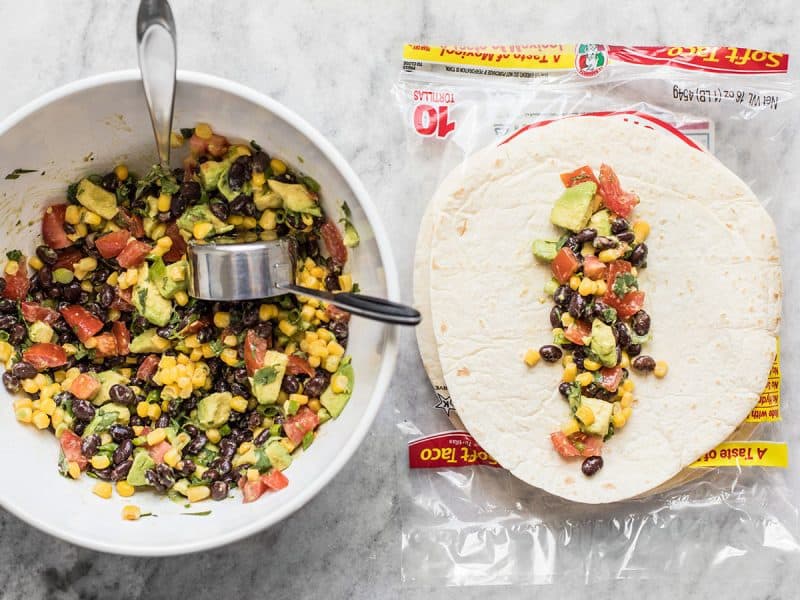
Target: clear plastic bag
x=467, y=521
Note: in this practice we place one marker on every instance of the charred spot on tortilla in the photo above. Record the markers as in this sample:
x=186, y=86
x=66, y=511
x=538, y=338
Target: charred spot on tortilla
x=443, y=327
x=459, y=193
x=463, y=372
x=461, y=228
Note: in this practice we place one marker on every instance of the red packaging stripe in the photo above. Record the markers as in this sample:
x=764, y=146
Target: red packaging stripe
x=447, y=449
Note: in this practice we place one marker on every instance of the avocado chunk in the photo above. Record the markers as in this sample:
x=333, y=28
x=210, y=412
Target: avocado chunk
x=603, y=343
x=296, y=197
x=182, y=485
x=266, y=381
x=214, y=410
x=148, y=342
x=106, y=416
x=333, y=402
x=200, y=213
x=96, y=199
x=351, y=237
x=169, y=279
x=266, y=198
x=256, y=457
x=107, y=379
x=278, y=456
x=210, y=172
x=141, y=464
x=148, y=301
x=544, y=249
x=223, y=185
x=40, y=332
x=573, y=209
x=601, y=221
x=602, y=415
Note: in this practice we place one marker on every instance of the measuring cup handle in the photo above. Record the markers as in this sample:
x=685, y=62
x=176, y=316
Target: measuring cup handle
x=377, y=309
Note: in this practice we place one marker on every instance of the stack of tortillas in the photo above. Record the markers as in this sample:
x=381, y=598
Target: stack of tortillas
x=713, y=286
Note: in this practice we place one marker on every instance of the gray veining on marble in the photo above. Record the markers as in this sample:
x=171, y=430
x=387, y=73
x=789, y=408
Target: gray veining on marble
x=334, y=63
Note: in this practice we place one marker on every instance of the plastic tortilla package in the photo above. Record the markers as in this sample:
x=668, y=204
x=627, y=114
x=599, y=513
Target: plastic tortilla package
x=599, y=265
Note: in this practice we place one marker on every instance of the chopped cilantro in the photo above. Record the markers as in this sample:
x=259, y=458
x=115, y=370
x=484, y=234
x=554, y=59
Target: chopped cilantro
x=308, y=439
x=217, y=346
x=574, y=397
x=160, y=176
x=255, y=145
x=17, y=172
x=310, y=183
x=14, y=255
x=356, y=288
x=203, y=513
x=187, y=132
x=624, y=283
x=3, y=336
x=609, y=315
x=72, y=193
x=265, y=376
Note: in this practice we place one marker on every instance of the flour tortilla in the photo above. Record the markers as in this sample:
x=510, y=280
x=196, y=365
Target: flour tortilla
x=713, y=290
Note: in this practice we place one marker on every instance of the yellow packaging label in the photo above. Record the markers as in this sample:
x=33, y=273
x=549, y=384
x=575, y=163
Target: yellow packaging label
x=769, y=403
x=745, y=454
x=522, y=57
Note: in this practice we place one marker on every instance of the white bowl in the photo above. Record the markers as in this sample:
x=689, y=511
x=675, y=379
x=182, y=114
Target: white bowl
x=89, y=126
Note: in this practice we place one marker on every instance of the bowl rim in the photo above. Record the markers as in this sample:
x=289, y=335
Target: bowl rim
x=388, y=360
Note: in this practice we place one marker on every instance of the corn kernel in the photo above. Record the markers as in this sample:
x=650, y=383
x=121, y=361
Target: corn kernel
x=6, y=350
x=641, y=229
x=103, y=489
x=105, y=438
x=92, y=218
x=202, y=229
x=81, y=230
x=58, y=416
x=222, y=319
x=35, y=263
x=584, y=379
x=229, y=357
x=249, y=223
x=277, y=166
x=586, y=287
x=40, y=419
x=86, y=286
x=570, y=373
x=235, y=220
x=335, y=349
x=346, y=282
x=258, y=179
x=626, y=400
x=531, y=357
x=314, y=361
x=314, y=405
x=661, y=369
x=567, y=319
x=253, y=475
x=121, y=171
x=618, y=420
x=12, y=267
x=625, y=360
x=570, y=427
x=301, y=399
x=591, y=365
x=73, y=469
x=172, y=456
x=268, y=220
x=157, y=435
x=587, y=249
x=99, y=461
x=600, y=287
x=48, y=405
x=213, y=436
x=322, y=316
x=154, y=412
x=203, y=131
x=628, y=385
x=287, y=328
x=239, y=404
x=73, y=214
x=267, y=312
x=585, y=415
x=574, y=282
x=164, y=202
x=610, y=255
x=331, y=363
x=198, y=493
x=230, y=340
x=30, y=386
x=307, y=313
x=339, y=384
x=41, y=380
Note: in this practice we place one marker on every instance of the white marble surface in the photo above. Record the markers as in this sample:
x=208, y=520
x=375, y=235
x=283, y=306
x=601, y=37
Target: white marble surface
x=334, y=63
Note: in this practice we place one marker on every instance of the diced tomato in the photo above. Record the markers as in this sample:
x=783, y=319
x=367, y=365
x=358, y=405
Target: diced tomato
x=178, y=248
x=615, y=268
x=111, y=244
x=131, y=222
x=53, y=227
x=628, y=305
x=576, y=332
x=36, y=312
x=122, y=337
x=299, y=366
x=133, y=254
x=197, y=145
x=614, y=198
x=593, y=268
x=564, y=265
x=577, y=176
x=217, y=145
x=71, y=446
x=578, y=444
x=300, y=424
x=105, y=345
x=251, y=490
x=195, y=326
x=122, y=299
x=158, y=451
x=17, y=285
x=84, y=386
x=275, y=480
x=610, y=378
x=334, y=244
x=45, y=356
x=148, y=367
x=67, y=259
x=83, y=323
x=255, y=348
x=337, y=315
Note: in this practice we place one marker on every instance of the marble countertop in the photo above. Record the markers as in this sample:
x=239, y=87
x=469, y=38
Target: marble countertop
x=334, y=63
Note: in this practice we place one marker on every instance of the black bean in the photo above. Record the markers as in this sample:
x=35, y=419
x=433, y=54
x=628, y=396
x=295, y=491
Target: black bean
x=121, y=471
x=564, y=388
x=599, y=309
x=577, y=306
x=221, y=386
x=17, y=334
x=638, y=257
x=261, y=438
x=290, y=384
x=211, y=475
x=83, y=298
x=12, y=383
x=618, y=225
x=123, y=452
x=236, y=175
x=191, y=191
x=237, y=389
x=165, y=474
x=223, y=465
x=7, y=321
x=96, y=310
x=104, y=474
x=71, y=292
x=178, y=204
x=219, y=490
x=250, y=315
x=641, y=323
x=165, y=332
x=573, y=244
x=61, y=398
x=120, y=433
x=555, y=317
x=227, y=447
x=220, y=210
x=47, y=255
x=106, y=296
x=254, y=420
x=186, y=468
x=90, y=444
x=162, y=421
x=586, y=235
x=264, y=330
x=7, y=306
x=626, y=236
x=196, y=444
x=78, y=427
x=260, y=161
x=100, y=274
x=23, y=370
x=250, y=209
x=314, y=387
x=340, y=330
x=238, y=204
x=592, y=465
x=45, y=276
x=550, y=353
x=152, y=478
x=82, y=410
x=191, y=430
x=643, y=363
x=623, y=334
x=602, y=242
x=591, y=390
x=562, y=296
x=121, y=394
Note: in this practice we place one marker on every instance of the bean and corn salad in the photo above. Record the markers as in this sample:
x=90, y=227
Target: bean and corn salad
x=145, y=387
x=599, y=325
